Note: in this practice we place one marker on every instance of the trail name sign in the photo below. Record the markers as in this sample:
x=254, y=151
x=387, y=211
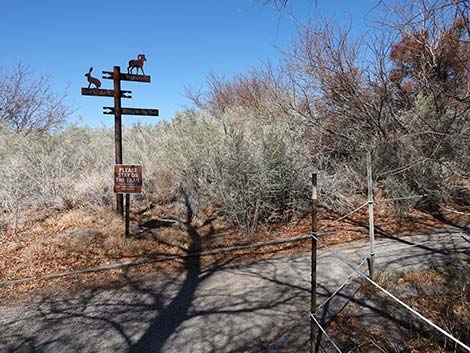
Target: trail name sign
x=127, y=77
x=132, y=111
x=127, y=178
x=104, y=92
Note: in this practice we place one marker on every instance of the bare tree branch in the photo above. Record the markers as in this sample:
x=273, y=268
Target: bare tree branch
x=28, y=104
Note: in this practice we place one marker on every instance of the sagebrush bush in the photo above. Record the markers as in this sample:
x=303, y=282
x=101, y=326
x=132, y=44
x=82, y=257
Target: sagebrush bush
x=232, y=164
x=50, y=170
x=248, y=175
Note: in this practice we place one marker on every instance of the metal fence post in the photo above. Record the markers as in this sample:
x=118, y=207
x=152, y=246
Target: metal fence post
x=370, y=201
x=313, y=288
x=128, y=208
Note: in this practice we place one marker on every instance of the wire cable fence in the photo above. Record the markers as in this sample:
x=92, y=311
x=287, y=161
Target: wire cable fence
x=316, y=235
x=404, y=168
x=403, y=198
x=325, y=333
x=168, y=257
x=370, y=203
x=393, y=297
x=345, y=216
x=344, y=284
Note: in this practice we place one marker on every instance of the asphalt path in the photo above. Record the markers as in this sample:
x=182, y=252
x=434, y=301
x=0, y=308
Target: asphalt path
x=247, y=308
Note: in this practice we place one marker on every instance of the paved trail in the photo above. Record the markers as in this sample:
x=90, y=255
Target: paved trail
x=238, y=309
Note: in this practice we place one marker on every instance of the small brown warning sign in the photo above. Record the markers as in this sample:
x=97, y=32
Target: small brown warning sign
x=127, y=178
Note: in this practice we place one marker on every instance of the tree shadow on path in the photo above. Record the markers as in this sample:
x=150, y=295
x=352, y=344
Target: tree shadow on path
x=177, y=311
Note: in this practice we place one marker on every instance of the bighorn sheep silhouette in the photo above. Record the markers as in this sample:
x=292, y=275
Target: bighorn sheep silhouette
x=138, y=64
x=92, y=80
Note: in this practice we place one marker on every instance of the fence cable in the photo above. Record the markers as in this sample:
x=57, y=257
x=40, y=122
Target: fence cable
x=345, y=216
x=403, y=168
x=402, y=198
x=324, y=332
x=455, y=248
x=454, y=211
x=345, y=283
x=151, y=260
x=406, y=306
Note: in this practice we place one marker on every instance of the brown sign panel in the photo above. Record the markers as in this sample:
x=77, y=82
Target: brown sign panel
x=127, y=178
x=137, y=78
x=127, y=77
x=103, y=92
x=133, y=111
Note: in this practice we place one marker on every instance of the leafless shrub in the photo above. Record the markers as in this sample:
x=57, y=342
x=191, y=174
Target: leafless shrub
x=28, y=104
x=403, y=98
x=263, y=92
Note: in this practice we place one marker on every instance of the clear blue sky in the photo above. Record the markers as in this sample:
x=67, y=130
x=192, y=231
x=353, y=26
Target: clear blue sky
x=183, y=42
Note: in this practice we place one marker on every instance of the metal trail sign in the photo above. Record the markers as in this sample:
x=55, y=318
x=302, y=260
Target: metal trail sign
x=133, y=111
x=103, y=92
x=127, y=77
x=117, y=76
x=128, y=178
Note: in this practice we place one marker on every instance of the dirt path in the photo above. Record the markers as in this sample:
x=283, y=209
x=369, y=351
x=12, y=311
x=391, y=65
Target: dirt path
x=239, y=309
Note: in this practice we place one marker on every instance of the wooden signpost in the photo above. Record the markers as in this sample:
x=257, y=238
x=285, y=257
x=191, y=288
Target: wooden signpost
x=117, y=76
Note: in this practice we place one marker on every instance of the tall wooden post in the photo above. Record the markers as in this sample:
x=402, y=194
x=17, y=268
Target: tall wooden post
x=313, y=286
x=118, y=131
x=370, y=200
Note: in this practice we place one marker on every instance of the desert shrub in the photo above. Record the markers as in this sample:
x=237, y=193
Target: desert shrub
x=234, y=183
x=247, y=171
x=284, y=171
x=57, y=170
x=426, y=161
x=174, y=155
x=224, y=164
x=257, y=181
x=16, y=189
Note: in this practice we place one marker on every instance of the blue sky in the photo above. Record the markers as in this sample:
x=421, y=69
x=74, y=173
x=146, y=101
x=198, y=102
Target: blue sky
x=183, y=40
